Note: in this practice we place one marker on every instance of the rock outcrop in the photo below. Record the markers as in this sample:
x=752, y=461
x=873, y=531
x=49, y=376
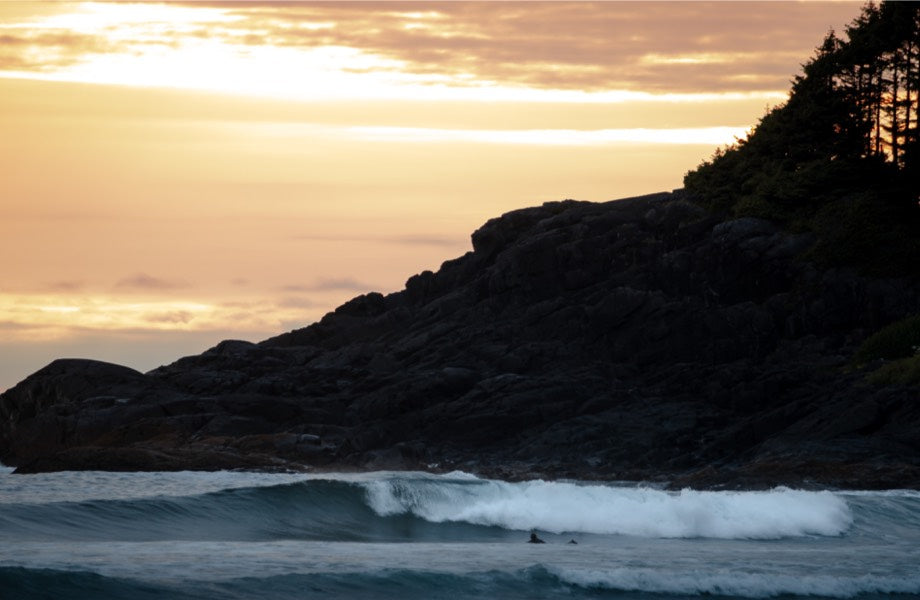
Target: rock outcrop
x=636, y=339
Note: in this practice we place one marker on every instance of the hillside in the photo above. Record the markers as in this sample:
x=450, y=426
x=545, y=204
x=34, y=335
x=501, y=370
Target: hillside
x=642, y=338
x=759, y=327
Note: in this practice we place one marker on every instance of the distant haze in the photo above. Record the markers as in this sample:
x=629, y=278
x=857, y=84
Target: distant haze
x=174, y=174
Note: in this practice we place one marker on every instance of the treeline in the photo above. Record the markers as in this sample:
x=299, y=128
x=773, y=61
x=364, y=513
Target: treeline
x=876, y=76
x=841, y=156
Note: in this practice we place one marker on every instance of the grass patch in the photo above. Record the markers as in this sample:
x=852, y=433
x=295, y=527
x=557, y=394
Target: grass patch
x=899, y=340
x=905, y=371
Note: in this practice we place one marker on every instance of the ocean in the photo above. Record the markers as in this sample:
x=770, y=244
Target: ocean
x=240, y=535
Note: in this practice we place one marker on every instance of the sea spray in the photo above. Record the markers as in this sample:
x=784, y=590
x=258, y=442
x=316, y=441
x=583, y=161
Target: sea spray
x=645, y=512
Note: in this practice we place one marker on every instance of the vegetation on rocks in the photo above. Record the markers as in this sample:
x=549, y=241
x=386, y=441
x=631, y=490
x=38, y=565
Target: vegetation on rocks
x=899, y=345
x=898, y=340
x=841, y=157
x=900, y=372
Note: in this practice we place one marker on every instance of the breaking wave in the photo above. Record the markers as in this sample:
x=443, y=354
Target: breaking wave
x=413, y=507
x=644, y=512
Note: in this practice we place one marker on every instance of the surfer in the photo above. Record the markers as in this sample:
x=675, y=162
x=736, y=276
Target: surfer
x=534, y=539
x=572, y=541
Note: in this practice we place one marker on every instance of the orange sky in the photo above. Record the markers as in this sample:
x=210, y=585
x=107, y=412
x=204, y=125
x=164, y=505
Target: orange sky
x=175, y=174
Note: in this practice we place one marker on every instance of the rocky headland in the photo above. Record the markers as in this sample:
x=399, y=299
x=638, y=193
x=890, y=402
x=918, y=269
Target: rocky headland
x=638, y=339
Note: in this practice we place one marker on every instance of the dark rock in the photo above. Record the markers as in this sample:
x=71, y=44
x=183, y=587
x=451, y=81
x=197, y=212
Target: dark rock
x=636, y=339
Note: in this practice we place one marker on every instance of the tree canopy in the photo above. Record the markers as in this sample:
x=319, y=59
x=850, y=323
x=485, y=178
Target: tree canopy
x=841, y=157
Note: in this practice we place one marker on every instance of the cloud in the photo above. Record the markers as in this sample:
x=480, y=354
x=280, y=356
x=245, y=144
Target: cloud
x=594, y=46
x=428, y=240
x=66, y=286
x=445, y=241
x=173, y=317
x=12, y=326
x=587, y=46
x=299, y=302
x=325, y=284
x=29, y=318
x=554, y=137
x=146, y=283
x=25, y=50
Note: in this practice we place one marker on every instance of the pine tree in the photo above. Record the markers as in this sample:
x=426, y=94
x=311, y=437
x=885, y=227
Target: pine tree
x=842, y=156
x=856, y=102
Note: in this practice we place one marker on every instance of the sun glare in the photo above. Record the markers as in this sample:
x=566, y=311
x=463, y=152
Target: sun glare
x=38, y=317
x=96, y=17
x=701, y=58
x=553, y=137
x=205, y=48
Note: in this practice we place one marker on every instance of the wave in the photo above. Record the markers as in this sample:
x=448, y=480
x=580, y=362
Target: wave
x=533, y=582
x=560, y=507
x=413, y=507
x=21, y=582
x=316, y=510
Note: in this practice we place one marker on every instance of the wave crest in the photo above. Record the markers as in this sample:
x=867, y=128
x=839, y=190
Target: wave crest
x=559, y=507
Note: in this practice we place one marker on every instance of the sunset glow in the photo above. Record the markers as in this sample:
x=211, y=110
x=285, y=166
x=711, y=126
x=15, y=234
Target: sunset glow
x=177, y=173
x=552, y=137
x=31, y=318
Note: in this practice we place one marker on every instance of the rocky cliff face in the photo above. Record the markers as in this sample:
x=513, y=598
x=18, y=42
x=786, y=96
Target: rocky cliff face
x=634, y=339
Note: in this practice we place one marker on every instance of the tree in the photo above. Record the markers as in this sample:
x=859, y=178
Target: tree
x=842, y=156
x=854, y=109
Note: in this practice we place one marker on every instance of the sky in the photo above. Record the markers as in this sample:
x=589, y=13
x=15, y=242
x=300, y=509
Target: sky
x=175, y=174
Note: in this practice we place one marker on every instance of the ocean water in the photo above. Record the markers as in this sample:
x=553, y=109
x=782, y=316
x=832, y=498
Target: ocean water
x=236, y=535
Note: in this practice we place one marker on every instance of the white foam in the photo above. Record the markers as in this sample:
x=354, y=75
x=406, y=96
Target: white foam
x=745, y=584
x=566, y=507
